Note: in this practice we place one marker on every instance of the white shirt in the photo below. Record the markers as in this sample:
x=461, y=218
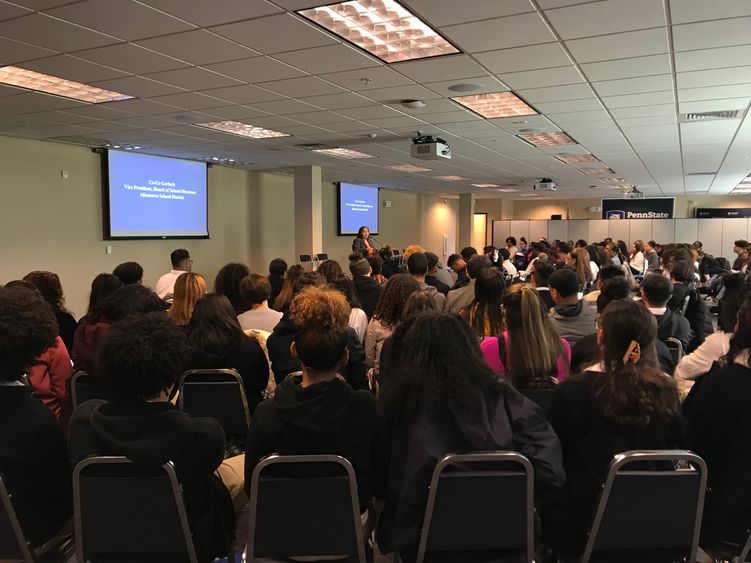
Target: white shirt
x=510, y=268
x=698, y=362
x=165, y=286
x=260, y=318
x=358, y=320
x=638, y=263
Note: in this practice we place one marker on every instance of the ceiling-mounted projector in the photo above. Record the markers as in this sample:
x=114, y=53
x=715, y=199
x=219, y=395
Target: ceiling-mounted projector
x=545, y=185
x=427, y=147
x=633, y=193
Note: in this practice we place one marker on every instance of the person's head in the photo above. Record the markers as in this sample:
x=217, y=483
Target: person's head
x=675, y=253
x=634, y=391
x=283, y=300
x=682, y=272
x=386, y=253
x=613, y=289
x=434, y=362
x=650, y=246
x=739, y=246
x=636, y=247
x=612, y=250
x=564, y=286
x=581, y=243
x=390, y=306
x=189, y=288
x=27, y=328
x=102, y=286
x=330, y=269
x=534, y=345
x=522, y=243
x=542, y=272
x=180, y=259
x=410, y=250
x=130, y=272
x=358, y=266
x=607, y=241
x=740, y=343
x=477, y=264
x=656, y=290
x=621, y=244
x=321, y=317
x=503, y=254
x=417, y=265
x=130, y=300
x=278, y=267
x=48, y=284
x=733, y=296
x=432, y=262
x=456, y=263
x=376, y=264
x=510, y=241
x=697, y=245
x=255, y=289
x=346, y=287
x=213, y=325
x=363, y=232
x=468, y=252
x=142, y=357
x=580, y=256
x=487, y=315
x=564, y=249
x=489, y=251
x=227, y=283
x=607, y=273
x=308, y=279
x=420, y=301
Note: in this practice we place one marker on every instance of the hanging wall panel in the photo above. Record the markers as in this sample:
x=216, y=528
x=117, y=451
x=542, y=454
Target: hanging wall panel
x=598, y=230
x=732, y=230
x=578, y=229
x=537, y=230
x=501, y=230
x=686, y=230
x=663, y=230
x=557, y=230
x=618, y=229
x=710, y=234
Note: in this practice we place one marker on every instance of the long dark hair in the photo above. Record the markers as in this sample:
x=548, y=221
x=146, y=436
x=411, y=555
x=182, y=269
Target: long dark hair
x=284, y=299
x=434, y=361
x=213, y=326
x=486, y=316
x=390, y=306
x=740, y=343
x=102, y=286
x=633, y=394
x=227, y=282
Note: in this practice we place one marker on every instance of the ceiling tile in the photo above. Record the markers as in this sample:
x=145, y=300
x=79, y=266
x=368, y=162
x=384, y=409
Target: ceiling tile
x=541, y=78
x=194, y=78
x=320, y=117
x=620, y=45
x=338, y=101
x=714, y=77
x=611, y=16
x=71, y=68
x=8, y=11
x=489, y=83
x=100, y=111
x=272, y=34
x=304, y=86
x=451, y=117
x=532, y=57
x=138, y=86
x=39, y=5
x=431, y=106
x=246, y=94
x=14, y=52
x=557, y=93
x=515, y=124
x=714, y=93
x=569, y=106
x=687, y=11
x=130, y=58
x=636, y=85
x=549, y=4
x=198, y=47
x=705, y=35
x=29, y=102
x=190, y=100
x=444, y=12
x=372, y=112
x=712, y=58
x=235, y=112
x=285, y=107
x=52, y=33
x=500, y=33
x=143, y=107
x=631, y=100
x=643, y=111
x=399, y=93
x=216, y=11
x=257, y=70
x=367, y=79
x=330, y=58
x=441, y=68
x=627, y=68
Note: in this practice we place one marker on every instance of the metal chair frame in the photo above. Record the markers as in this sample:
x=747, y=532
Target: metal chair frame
x=23, y=545
x=227, y=372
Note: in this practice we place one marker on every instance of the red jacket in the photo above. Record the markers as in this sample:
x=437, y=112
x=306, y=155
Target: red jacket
x=49, y=376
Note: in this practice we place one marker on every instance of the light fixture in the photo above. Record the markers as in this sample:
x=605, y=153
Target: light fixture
x=451, y=178
x=466, y=87
x=343, y=153
x=485, y=185
x=31, y=80
x=118, y=146
x=576, y=158
x=413, y=104
x=496, y=104
x=507, y=190
x=611, y=181
x=408, y=168
x=595, y=171
x=241, y=129
x=383, y=28
x=547, y=139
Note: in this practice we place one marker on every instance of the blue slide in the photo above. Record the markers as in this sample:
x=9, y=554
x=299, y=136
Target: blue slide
x=358, y=207
x=154, y=196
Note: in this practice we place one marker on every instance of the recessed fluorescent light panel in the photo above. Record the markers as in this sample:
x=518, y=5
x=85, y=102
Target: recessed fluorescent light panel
x=485, y=185
x=595, y=171
x=383, y=28
x=506, y=190
x=496, y=104
x=577, y=158
x=451, y=178
x=39, y=82
x=343, y=153
x=611, y=181
x=409, y=168
x=547, y=139
x=241, y=129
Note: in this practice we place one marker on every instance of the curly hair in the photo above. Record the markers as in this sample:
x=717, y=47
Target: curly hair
x=48, y=284
x=390, y=306
x=27, y=328
x=227, y=282
x=321, y=318
x=410, y=250
x=143, y=356
x=189, y=288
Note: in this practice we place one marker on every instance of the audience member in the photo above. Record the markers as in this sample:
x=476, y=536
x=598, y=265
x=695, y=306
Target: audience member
x=181, y=263
x=131, y=273
x=651, y=257
x=48, y=284
x=255, y=290
x=331, y=270
x=33, y=456
x=606, y=273
x=655, y=294
x=314, y=411
x=506, y=263
x=189, y=288
x=572, y=320
x=417, y=265
x=376, y=269
x=286, y=293
x=540, y=279
x=739, y=247
x=142, y=358
x=218, y=342
x=227, y=283
x=458, y=268
x=277, y=271
x=562, y=257
x=485, y=314
x=458, y=299
x=624, y=403
x=418, y=302
x=440, y=397
x=580, y=264
x=389, y=267
x=688, y=301
x=409, y=251
x=431, y=276
x=529, y=353
x=468, y=252
x=101, y=287
x=636, y=259
x=368, y=290
x=511, y=246
x=358, y=320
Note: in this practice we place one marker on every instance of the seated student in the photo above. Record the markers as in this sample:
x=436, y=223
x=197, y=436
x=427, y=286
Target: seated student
x=330, y=269
x=142, y=358
x=417, y=266
x=33, y=457
x=389, y=267
x=358, y=320
x=48, y=284
x=689, y=302
x=571, y=318
x=227, y=283
x=376, y=269
x=506, y=264
x=539, y=280
x=283, y=300
x=439, y=397
x=606, y=273
x=624, y=403
x=651, y=257
x=130, y=273
x=531, y=354
x=255, y=290
x=655, y=294
x=719, y=430
x=368, y=290
x=485, y=314
x=458, y=299
x=218, y=342
x=431, y=276
x=277, y=271
x=314, y=411
x=581, y=265
x=189, y=288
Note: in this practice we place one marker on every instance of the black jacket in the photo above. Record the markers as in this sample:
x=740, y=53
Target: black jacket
x=282, y=363
x=438, y=284
x=276, y=283
x=68, y=326
x=34, y=463
x=153, y=434
x=325, y=418
x=673, y=325
x=697, y=314
x=368, y=292
x=389, y=268
x=245, y=356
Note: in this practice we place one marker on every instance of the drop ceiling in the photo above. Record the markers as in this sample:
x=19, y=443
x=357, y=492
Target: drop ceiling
x=614, y=75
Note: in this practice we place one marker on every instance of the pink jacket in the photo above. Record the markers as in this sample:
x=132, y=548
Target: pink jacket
x=489, y=347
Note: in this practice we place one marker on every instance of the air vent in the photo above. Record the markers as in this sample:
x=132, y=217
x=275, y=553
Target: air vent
x=712, y=115
x=311, y=146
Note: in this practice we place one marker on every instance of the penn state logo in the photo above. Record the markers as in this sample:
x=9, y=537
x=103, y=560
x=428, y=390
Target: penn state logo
x=616, y=214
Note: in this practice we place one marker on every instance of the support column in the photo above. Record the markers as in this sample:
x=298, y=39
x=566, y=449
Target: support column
x=308, y=210
x=465, y=218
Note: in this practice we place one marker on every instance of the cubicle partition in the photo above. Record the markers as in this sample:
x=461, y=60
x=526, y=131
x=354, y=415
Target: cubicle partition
x=717, y=235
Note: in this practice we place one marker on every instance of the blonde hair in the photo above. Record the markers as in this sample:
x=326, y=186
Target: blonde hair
x=410, y=250
x=581, y=257
x=189, y=288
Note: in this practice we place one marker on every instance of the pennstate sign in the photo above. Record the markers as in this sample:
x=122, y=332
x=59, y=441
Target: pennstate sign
x=647, y=208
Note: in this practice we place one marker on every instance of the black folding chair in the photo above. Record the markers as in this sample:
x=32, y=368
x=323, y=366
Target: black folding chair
x=125, y=512
x=675, y=347
x=287, y=493
x=744, y=551
x=84, y=387
x=217, y=393
x=13, y=544
x=480, y=502
x=650, y=509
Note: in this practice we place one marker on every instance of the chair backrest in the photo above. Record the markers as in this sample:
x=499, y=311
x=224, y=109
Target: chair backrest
x=84, y=387
x=218, y=393
x=541, y=397
x=13, y=544
x=480, y=501
x=741, y=558
x=652, y=501
x=676, y=349
x=288, y=493
x=124, y=509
